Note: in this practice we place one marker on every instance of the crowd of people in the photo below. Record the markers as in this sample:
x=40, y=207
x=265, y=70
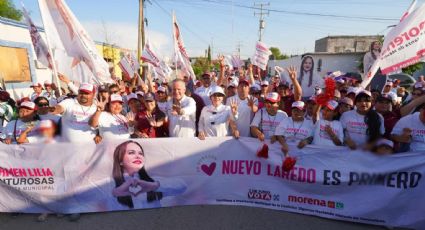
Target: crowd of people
x=283, y=109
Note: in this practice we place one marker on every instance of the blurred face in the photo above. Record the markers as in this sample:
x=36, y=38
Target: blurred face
x=264, y=89
x=384, y=150
x=297, y=114
x=133, y=159
x=308, y=64
x=150, y=105
x=231, y=91
x=310, y=108
x=162, y=96
x=48, y=88
x=383, y=106
x=271, y=107
x=217, y=99
x=344, y=108
x=43, y=107
x=134, y=105
x=387, y=88
x=48, y=132
x=104, y=95
x=114, y=90
x=363, y=104
x=283, y=91
x=256, y=94
x=206, y=81
x=179, y=90
x=328, y=114
x=115, y=107
x=26, y=114
x=243, y=90
x=85, y=98
x=37, y=89
x=376, y=46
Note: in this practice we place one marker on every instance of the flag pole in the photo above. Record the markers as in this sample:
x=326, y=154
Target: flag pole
x=55, y=72
x=174, y=44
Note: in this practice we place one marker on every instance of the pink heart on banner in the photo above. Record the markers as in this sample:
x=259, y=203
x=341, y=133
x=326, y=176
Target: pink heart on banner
x=209, y=169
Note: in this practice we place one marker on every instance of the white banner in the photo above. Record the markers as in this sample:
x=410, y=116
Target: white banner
x=181, y=58
x=403, y=46
x=261, y=55
x=66, y=33
x=333, y=183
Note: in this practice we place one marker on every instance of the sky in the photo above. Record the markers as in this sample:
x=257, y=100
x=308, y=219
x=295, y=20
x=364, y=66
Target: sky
x=291, y=25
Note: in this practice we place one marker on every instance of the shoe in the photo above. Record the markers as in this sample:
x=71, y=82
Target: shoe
x=74, y=217
x=42, y=217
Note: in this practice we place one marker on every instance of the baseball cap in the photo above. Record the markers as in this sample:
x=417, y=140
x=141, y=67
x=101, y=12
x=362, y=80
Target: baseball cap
x=389, y=83
x=47, y=83
x=149, y=97
x=115, y=98
x=27, y=105
x=364, y=92
x=45, y=124
x=162, y=89
x=354, y=90
x=386, y=142
x=233, y=83
x=131, y=96
x=217, y=90
x=283, y=84
x=264, y=83
x=298, y=104
x=273, y=97
x=340, y=80
x=387, y=96
x=86, y=87
x=243, y=81
x=140, y=93
x=36, y=85
x=346, y=100
x=255, y=88
x=332, y=104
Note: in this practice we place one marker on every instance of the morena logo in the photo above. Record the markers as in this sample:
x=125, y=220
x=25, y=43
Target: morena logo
x=317, y=202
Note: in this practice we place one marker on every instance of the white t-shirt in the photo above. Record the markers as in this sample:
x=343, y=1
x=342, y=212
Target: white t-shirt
x=21, y=126
x=321, y=137
x=214, y=122
x=54, y=117
x=204, y=93
x=317, y=80
x=295, y=131
x=245, y=115
x=412, y=122
x=353, y=123
x=268, y=123
x=75, y=118
x=162, y=106
x=113, y=126
x=182, y=125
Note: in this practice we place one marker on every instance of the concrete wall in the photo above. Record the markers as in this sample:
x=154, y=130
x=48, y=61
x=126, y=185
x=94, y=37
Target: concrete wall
x=338, y=44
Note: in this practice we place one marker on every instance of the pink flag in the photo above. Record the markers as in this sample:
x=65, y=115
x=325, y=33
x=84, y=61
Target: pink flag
x=40, y=47
x=181, y=58
x=149, y=56
x=66, y=32
x=409, y=10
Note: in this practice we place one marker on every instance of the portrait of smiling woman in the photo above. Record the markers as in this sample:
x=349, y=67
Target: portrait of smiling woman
x=134, y=188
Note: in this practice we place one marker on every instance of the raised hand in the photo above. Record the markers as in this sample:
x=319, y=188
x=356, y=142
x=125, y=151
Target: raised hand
x=151, y=119
x=222, y=61
x=97, y=139
x=63, y=78
x=146, y=186
x=176, y=108
x=292, y=71
x=131, y=119
x=201, y=135
x=234, y=107
x=101, y=104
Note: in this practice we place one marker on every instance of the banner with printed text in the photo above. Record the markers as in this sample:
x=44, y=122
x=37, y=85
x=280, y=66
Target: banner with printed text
x=334, y=183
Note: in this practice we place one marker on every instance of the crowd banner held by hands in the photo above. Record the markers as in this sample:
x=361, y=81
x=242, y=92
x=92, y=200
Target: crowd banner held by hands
x=160, y=68
x=334, y=183
x=66, y=33
x=129, y=65
x=261, y=55
x=404, y=45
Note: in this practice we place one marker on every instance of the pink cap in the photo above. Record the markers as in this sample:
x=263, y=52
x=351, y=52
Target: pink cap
x=273, y=97
x=87, y=88
x=162, y=89
x=47, y=83
x=28, y=105
x=298, y=104
x=332, y=105
x=264, y=83
x=131, y=96
x=241, y=81
x=36, y=85
x=346, y=100
x=115, y=98
x=383, y=141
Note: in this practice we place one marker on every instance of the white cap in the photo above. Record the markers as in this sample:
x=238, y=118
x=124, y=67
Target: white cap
x=131, y=96
x=27, y=105
x=47, y=82
x=162, y=89
x=389, y=83
x=265, y=83
x=115, y=98
x=385, y=142
x=140, y=93
x=364, y=92
x=418, y=85
x=332, y=104
x=36, y=85
x=217, y=89
x=86, y=87
x=256, y=87
x=298, y=104
x=273, y=97
x=354, y=90
x=340, y=80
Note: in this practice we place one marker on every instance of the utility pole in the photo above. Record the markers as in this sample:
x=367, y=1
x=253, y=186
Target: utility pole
x=141, y=35
x=238, y=49
x=262, y=12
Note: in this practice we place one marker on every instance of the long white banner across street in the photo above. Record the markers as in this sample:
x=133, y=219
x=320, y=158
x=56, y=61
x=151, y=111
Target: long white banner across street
x=333, y=183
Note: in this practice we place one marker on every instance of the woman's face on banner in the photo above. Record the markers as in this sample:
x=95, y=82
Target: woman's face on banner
x=133, y=159
x=376, y=46
x=308, y=64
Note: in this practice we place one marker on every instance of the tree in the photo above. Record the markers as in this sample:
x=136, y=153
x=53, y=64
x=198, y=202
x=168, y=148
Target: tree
x=277, y=54
x=8, y=10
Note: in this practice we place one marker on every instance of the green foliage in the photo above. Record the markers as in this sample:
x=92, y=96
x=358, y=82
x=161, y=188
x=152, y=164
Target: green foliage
x=201, y=65
x=8, y=10
x=277, y=54
x=413, y=68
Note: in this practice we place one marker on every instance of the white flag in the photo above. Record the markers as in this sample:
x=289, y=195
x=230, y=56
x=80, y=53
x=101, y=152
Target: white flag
x=149, y=56
x=403, y=46
x=67, y=34
x=40, y=47
x=261, y=55
x=181, y=58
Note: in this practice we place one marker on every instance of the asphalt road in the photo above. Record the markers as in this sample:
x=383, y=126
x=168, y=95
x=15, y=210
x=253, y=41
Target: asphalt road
x=190, y=217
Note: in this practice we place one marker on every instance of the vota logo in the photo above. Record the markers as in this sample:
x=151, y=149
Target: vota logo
x=316, y=202
x=259, y=194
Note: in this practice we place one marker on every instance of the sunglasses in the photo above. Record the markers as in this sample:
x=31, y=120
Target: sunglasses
x=43, y=105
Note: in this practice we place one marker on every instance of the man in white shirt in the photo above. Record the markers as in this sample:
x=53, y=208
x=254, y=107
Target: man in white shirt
x=411, y=129
x=205, y=90
x=247, y=107
x=76, y=114
x=181, y=111
x=38, y=90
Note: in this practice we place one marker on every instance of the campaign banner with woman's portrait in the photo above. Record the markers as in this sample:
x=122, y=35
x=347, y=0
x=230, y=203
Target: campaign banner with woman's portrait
x=334, y=183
